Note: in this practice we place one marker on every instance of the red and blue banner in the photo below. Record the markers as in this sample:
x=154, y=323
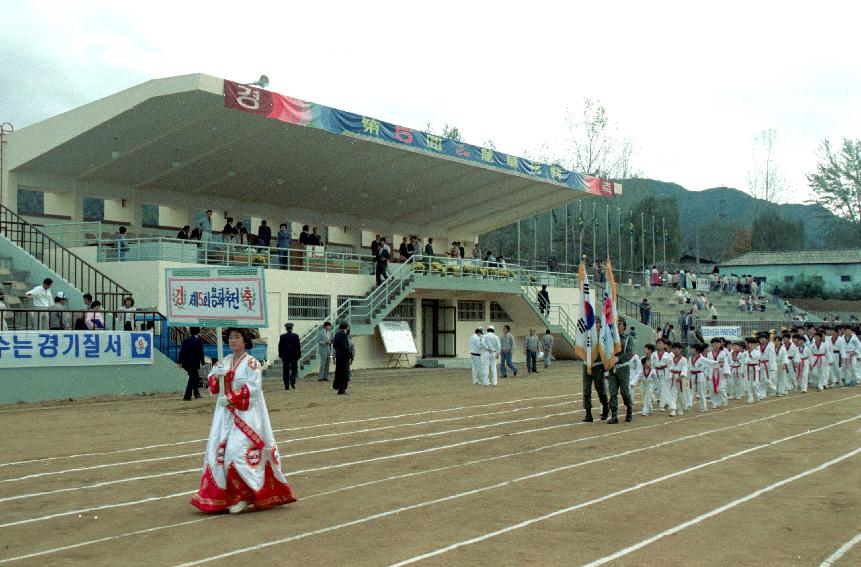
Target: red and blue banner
x=287, y=109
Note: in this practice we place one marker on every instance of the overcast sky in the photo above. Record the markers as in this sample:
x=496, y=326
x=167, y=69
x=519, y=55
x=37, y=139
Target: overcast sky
x=690, y=83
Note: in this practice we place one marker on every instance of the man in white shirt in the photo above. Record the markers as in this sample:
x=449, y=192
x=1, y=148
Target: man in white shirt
x=475, y=351
x=491, y=349
x=42, y=298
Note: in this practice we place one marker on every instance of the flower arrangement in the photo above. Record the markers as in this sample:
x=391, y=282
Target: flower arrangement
x=437, y=267
x=420, y=266
x=504, y=273
x=482, y=271
x=453, y=269
x=260, y=260
x=533, y=279
x=468, y=269
x=492, y=272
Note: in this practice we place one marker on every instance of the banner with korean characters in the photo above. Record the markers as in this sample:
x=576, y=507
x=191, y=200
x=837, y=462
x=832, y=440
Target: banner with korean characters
x=20, y=349
x=216, y=297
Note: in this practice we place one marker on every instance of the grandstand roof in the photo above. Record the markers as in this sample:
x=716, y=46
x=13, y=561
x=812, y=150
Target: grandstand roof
x=185, y=134
x=797, y=257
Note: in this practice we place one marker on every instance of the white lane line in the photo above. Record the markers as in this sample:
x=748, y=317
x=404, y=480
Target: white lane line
x=360, y=485
x=301, y=453
x=633, y=488
x=841, y=551
x=724, y=508
x=511, y=482
x=332, y=424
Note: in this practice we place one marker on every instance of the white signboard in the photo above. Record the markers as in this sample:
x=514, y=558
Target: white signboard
x=74, y=348
x=397, y=337
x=729, y=333
x=216, y=297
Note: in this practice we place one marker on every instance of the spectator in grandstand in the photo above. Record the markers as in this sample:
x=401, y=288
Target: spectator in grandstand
x=544, y=300
x=195, y=235
x=127, y=319
x=122, y=244
x=645, y=311
x=57, y=316
x=490, y=259
x=413, y=247
x=228, y=229
x=94, y=318
x=242, y=237
x=429, y=247
x=454, y=251
x=283, y=243
x=382, y=261
x=42, y=299
x=375, y=247
x=264, y=234
x=500, y=261
x=713, y=312
x=403, y=249
x=183, y=233
x=462, y=251
x=315, y=239
x=599, y=270
x=476, y=252
x=191, y=359
x=205, y=226
x=305, y=237
x=656, y=277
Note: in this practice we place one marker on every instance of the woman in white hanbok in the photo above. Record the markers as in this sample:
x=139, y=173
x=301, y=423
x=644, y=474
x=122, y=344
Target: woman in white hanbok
x=242, y=466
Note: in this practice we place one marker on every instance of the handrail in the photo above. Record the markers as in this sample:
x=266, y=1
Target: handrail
x=62, y=261
x=632, y=310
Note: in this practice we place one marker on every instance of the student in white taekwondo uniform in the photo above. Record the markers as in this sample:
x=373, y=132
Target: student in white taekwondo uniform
x=491, y=345
x=678, y=370
x=787, y=357
x=750, y=371
x=767, y=366
x=475, y=350
x=660, y=362
x=646, y=377
x=802, y=365
x=820, y=370
x=830, y=342
x=719, y=374
x=699, y=371
x=736, y=362
x=850, y=350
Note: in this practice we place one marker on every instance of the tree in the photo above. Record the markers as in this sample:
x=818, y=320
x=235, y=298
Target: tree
x=448, y=131
x=772, y=233
x=763, y=181
x=716, y=237
x=837, y=181
x=591, y=141
x=740, y=243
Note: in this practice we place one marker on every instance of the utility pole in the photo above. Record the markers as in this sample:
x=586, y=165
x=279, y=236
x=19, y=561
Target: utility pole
x=519, y=257
x=664, y=230
x=643, y=238
x=567, y=220
x=654, y=258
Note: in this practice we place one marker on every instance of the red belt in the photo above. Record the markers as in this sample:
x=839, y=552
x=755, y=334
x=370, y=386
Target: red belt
x=679, y=374
x=818, y=358
x=749, y=366
x=715, y=379
x=765, y=363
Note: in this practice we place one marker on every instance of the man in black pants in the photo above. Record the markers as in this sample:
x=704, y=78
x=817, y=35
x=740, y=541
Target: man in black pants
x=597, y=378
x=382, y=259
x=190, y=360
x=289, y=351
x=341, y=344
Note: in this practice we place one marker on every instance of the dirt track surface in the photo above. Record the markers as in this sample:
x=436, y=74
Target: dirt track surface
x=421, y=467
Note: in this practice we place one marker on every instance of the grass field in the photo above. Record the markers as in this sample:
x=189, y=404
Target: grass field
x=419, y=466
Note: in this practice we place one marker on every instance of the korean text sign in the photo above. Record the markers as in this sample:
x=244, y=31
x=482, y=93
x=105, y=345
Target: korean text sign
x=216, y=297
x=74, y=348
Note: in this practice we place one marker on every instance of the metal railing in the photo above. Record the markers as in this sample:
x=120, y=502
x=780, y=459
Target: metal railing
x=632, y=310
x=35, y=319
x=554, y=315
x=68, y=265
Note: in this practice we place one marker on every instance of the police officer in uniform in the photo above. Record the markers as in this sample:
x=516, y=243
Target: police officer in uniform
x=619, y=376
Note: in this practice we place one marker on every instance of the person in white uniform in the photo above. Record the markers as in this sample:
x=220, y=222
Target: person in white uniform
x=490, y=353
x=42, y=298
x=475, y=350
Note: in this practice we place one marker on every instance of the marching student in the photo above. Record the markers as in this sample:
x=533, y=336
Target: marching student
x=678, y=378
x=831, y=343
x=802, y=366
x=661, y=359
x=787, y=357
x=767, y=366
x=647, y=385
x=850, y=349
x=736, y=361
x=751, y=369
x=719, y=374
x=820, y=370
x=699, y=368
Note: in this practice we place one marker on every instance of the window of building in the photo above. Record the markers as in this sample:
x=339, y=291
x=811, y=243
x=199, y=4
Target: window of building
x=497, y=313
x=342, y=312
x=308, y=306
x=845, y=278
x=94, y=209
x=405, y=311
x=149, y=215
x=470, y=310
x=788, y=279
x=31, y=202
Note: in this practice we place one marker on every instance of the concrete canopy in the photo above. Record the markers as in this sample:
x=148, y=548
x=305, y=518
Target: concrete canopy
x=176, y=135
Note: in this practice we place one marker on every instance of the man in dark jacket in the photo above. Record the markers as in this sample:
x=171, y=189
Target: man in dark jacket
x=382, y=261
x=544, y=300
x=289, y=351
x=190, y=360
x=341, y=344
x=264, y=234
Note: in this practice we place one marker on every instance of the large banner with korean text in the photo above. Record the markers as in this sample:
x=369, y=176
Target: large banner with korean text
x=216, y=297
x=287, y=109
x=74, y=348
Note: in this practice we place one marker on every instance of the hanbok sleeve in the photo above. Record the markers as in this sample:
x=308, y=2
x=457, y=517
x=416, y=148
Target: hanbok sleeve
x=241, y=398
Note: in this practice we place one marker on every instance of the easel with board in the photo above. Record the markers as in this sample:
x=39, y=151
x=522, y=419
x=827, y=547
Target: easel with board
x=398, y=342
